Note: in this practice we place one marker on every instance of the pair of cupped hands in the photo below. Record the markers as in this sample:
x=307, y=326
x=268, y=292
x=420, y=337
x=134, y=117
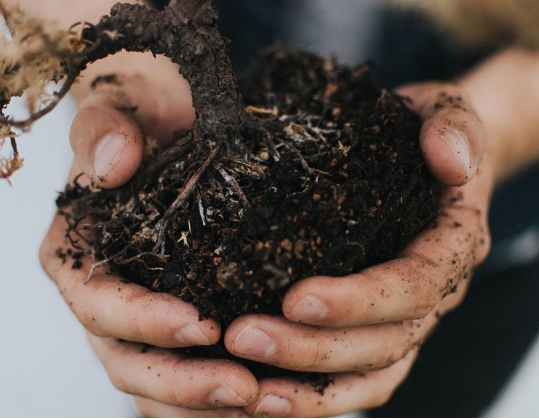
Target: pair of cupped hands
x=366, y=328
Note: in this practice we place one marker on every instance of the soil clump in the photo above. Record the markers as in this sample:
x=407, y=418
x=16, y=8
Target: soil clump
x=327, y=178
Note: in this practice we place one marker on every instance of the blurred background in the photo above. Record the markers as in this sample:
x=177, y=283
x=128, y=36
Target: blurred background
x=47, y=368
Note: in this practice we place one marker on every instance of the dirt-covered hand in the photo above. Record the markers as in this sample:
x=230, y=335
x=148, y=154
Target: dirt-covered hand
x=117, y=313
x=452, y=136
x=365, y=327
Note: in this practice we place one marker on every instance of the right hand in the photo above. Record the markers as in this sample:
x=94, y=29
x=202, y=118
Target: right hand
x=122, y=318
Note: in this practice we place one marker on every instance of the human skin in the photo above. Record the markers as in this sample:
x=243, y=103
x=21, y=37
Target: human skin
x=365, y=327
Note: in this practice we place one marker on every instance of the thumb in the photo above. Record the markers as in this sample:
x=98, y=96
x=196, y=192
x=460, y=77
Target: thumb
x=107, y=142
x=108, y=131
x=452, y=136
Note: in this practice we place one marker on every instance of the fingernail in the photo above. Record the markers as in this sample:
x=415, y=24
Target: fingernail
x=459, y=145
x=108, y=152
x=253, y=343
x=273, y=406
x=309, y=309
x=224, y=396
x=191, y=335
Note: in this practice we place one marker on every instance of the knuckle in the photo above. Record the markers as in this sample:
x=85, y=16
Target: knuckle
x=382, y=397
x=118, y=380
x=44, y=259
x=453, y=300
x=180, y=397
x=144, y=407
x=457, y=297
x=429, y=300
x=483, y=249
x=143, y=331
x=385, y=393
x=404, y=339
x=90, y=317
x=421, y=292
x=309, y=357
x=387, y=360
x=90, y=323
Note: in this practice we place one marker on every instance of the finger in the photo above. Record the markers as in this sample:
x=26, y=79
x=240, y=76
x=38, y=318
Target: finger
x=277, y=341
x=112, y=121
x=166, y=377
x=350, y=392
x=411, y=285
x=452, y=136
x=107, y=141
x=109, y=306
x=149, y=408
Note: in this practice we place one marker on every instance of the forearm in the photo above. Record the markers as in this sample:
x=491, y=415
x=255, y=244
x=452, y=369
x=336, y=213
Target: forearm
x=504, y=91
x=67, y=12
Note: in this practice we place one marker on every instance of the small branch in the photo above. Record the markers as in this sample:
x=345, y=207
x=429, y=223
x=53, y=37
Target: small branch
x=304, y=163
x=180, y=148
x=201, y=208
x=188, y=35
x=8, y=166
x=14, y=148
x=139, y=257
x=253, y=123
x=59, y=95
x=190, y=185
x=235, y=185
x=101, y=263
x=118, y=254
x=280, y=277
x=262, y=111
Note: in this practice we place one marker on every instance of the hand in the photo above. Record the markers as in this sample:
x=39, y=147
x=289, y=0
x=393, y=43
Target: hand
x=368, y=374
x=367, y=327
x=122, y=318
x=414, y=285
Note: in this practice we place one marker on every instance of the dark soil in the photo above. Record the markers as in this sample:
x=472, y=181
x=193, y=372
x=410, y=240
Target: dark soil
x=326, y=179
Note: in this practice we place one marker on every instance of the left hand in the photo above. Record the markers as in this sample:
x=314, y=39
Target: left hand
x=125, y=322
x=367, y=327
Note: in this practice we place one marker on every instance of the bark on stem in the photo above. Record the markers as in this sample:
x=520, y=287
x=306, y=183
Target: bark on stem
x=188, y=35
